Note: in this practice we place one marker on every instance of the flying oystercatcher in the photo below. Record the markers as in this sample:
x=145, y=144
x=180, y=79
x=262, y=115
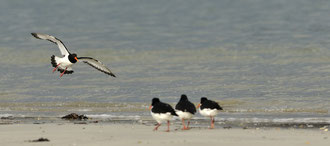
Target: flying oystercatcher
x=209, y=108
x=63, y=64
x=185, y=110
x=161, y=112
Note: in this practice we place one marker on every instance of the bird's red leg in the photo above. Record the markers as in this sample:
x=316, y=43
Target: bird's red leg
x=184, y=126
x=212, y=123
x=188, y=124
x=168, y=126
x=63, y=72
x=56, y=67
x=156, y=128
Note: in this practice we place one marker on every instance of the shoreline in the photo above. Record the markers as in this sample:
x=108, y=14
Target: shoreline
x=197, y=123
x=125, y=134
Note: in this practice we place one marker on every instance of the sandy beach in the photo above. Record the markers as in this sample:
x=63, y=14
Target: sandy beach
x=70, y=134
x=267, y=63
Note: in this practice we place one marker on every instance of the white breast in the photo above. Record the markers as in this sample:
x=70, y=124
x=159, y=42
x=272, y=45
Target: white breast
x=184, y=115
x=161, y=117
x=208, y=112
x=65, y=62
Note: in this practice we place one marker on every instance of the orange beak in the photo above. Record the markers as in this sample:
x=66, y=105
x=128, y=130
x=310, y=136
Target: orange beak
x=198, y=105
x=150, y=107
x=76, y=58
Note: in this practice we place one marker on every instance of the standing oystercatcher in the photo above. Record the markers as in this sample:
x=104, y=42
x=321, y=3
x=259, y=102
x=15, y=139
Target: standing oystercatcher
x=209, y=108
x=63, y=64
x=161, y=111
x=185, y=110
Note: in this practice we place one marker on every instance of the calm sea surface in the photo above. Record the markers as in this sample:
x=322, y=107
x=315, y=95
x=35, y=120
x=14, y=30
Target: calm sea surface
x=261, y=60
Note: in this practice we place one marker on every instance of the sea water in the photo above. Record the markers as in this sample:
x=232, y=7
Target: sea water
x=263, y=61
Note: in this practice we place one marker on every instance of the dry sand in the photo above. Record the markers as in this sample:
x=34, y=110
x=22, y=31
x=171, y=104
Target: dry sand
x=135, y=134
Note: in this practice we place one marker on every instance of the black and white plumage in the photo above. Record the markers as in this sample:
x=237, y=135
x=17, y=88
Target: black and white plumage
x=209, y=108
x=63, y=64
x=185, y=110
x=161, y=112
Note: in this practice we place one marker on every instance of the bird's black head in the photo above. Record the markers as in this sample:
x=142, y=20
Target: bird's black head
x=183, y=97
x=203, y=99
x=73, y=58
x=154, y=101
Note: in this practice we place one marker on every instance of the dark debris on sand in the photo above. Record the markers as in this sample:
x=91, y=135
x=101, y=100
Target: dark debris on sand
x=40, y=140
x=74, y=116
x=7, y=118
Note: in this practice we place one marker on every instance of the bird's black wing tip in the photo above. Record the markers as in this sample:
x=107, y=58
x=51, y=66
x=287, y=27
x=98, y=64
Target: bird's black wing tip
x=35, y=35
x=220, y=108
x=113, y=75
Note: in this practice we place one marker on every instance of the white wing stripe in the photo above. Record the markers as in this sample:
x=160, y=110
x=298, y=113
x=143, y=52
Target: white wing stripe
x=61, y=46
x=97, y=65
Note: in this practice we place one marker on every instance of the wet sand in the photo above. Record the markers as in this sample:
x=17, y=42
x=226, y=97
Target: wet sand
x=97, y=134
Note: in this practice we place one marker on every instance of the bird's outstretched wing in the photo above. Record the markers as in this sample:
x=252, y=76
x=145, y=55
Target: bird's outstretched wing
x=58, y=42
x=96, y=64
